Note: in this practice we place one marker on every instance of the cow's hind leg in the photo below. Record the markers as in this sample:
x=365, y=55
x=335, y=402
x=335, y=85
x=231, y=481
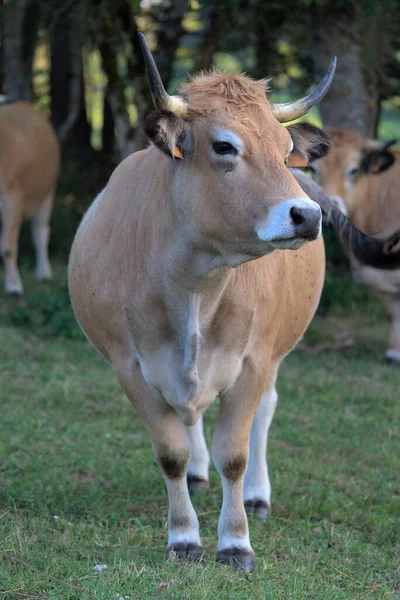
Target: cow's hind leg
x=392, y=307
x=11, y=220
x=197, y=473
x=230, y=450
x=40, y=228
x=257, y=487
x=172, y=450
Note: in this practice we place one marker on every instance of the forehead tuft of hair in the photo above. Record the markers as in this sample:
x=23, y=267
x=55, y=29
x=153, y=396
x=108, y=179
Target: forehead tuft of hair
x=207, y=91
x=344, y=137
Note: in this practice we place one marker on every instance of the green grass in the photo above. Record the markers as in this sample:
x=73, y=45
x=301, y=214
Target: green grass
x=71, y=447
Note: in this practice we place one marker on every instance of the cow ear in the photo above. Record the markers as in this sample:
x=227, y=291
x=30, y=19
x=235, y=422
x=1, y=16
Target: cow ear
x=309, y=143
x=374, y=162
x=297, y=159
x=168, y=132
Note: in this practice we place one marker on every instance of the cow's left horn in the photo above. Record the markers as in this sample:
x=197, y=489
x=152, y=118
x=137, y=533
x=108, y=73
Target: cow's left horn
x=161, y=100
x=379, y=145
x=294, y=110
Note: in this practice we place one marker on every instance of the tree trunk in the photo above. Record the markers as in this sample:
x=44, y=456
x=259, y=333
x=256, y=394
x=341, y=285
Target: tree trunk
x=214, y=24
x=360, y=44
x=267, y=22
x=108, y=131
x=18, y=79
x=30, y=30
x=169, y=33
x=68, y=108
x=2, y=11
x=116, y=97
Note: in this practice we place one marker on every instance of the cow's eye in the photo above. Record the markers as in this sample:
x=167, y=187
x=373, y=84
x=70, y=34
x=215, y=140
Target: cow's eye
x=224, y=148
x=353, y=171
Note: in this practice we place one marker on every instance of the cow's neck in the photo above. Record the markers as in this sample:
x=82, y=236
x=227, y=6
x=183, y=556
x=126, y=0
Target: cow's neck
x=193, y=285
x=188, y=283
x=194, y=281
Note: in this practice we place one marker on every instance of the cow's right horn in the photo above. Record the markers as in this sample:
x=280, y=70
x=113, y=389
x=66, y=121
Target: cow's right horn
x=379, y=145
x=161, y=100
x=289, y=111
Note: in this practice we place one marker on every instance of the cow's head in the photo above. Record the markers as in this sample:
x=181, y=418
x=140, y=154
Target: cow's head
x=350, y=158
x=229, y=158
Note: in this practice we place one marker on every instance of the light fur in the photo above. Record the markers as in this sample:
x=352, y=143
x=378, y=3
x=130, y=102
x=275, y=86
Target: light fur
x=29, y=166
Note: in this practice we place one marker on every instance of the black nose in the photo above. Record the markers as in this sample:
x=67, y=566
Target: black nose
x=306, y=221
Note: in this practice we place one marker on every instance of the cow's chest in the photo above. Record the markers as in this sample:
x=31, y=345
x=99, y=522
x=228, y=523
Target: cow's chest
x=190, y=389
x=191, y=368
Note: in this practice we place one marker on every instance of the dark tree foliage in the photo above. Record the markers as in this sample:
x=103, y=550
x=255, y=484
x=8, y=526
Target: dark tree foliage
x=291, y=41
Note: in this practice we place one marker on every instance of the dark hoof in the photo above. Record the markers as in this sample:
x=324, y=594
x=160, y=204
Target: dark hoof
x=392, y=362
x=259, y=508
x=197, y=485
x=191, y=552
x=15, y=295
x=235, y=557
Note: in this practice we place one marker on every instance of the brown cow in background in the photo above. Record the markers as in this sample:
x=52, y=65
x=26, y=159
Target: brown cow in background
x=363, y=177
x=29, y=166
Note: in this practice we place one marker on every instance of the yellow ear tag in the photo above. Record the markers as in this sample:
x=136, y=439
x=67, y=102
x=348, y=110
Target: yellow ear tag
x=177, y=153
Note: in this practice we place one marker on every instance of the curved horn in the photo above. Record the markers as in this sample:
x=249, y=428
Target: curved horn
x=293, y=110
x=379, y=144
x=161, y=100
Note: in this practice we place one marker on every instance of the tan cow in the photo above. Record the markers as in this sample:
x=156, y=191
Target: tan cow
x=29, y=166
x=362, y=176
x=192, y=277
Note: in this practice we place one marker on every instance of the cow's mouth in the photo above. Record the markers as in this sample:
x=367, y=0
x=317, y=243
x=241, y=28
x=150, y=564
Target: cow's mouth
x=291, y=243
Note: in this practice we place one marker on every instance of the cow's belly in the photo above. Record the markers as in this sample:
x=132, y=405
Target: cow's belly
x=379, y=280
x=190, y=394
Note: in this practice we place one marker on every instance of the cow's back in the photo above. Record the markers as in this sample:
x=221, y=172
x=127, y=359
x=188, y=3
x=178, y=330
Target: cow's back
x=29, y=154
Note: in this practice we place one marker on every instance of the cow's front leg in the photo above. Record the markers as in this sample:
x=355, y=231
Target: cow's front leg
x=230, y=450
x=257, y=487
x=173, y=458
x=172, y=451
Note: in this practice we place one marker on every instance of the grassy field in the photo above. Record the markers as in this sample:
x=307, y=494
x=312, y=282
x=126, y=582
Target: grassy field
x=79, y=486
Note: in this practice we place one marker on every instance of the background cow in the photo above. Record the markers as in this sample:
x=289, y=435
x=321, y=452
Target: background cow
x=362, y=177
x=29, y=166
